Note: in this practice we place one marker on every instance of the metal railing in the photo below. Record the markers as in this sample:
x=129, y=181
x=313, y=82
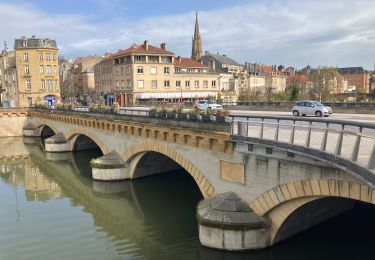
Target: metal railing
x=350, y=140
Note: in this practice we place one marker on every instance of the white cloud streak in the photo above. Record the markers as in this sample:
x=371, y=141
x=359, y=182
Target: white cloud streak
x=290, y=32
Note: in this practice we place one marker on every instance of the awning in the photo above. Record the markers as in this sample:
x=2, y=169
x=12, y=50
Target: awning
x=170, y=95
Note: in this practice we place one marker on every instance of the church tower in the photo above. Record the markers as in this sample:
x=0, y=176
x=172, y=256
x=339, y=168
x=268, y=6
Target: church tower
x=196, y=51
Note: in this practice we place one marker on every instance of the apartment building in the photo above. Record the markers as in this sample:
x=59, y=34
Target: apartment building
x=37, y=71
x=8, y=79
x=144, y=73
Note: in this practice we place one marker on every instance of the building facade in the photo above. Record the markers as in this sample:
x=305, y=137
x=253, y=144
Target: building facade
x=144, y=73
x=37, y=71
x=358, y=79
x=8, y=79
x=104, y=79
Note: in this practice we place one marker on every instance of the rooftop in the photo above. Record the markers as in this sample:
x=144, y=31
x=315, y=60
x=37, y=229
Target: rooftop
x=187, y=63
x=144, y=48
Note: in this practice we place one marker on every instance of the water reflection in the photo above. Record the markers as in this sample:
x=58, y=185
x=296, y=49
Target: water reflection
x=52, y=209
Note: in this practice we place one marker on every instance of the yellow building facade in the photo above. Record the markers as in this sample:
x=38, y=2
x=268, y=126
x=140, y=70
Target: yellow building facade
x=37, y=71
x=145, y=73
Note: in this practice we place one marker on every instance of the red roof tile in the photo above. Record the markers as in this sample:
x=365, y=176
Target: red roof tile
x=187, y=63
x=141, y=49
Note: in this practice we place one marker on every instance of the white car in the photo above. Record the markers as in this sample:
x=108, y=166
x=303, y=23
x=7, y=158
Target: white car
x=208, y=105
x=311, y=108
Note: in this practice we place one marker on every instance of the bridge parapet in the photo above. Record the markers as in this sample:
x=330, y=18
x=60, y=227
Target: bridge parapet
x=349, y=145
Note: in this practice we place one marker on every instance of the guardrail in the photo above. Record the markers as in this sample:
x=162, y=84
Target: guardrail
x=339, y=139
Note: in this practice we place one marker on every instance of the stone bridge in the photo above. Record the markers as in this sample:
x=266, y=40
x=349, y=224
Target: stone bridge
x=289, y=173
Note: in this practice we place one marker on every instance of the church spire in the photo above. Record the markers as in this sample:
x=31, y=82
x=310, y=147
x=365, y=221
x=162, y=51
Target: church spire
x=196, y=51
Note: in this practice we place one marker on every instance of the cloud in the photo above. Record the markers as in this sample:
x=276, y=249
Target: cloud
x=288, y=32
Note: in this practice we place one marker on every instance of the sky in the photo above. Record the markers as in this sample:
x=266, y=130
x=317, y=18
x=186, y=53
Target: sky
x=289, y=32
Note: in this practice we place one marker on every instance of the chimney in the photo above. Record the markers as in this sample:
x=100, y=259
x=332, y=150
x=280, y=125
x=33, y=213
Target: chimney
x=145, y=44
x=163, y=46
x=179, y=58
x=206, y=53
x=224, y=55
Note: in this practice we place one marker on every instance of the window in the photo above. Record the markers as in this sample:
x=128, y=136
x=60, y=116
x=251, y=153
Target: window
x=48, y=56
x=153, y=59
x=54, y=57
x=140, y=70
x=178, y=83
x=128, y=70
x=205, y=83
x=166, y=83
x=153, y=70
x=154, y=83
x=25, y=57
x=196, y=83
x=122, y=71
x=42, y=84
x=129, y=83
x=140, y=84
x=49, y=70
x=187, y=83
x=28, y=84
x=55, y=70
x=213, y=83
x=56, y=85
x=122, y=84
x=49, y=85
x=41, y=70
x=27, y=70
x=117, y=84
x=40, y=56
x=166, y=70
x=139, y=58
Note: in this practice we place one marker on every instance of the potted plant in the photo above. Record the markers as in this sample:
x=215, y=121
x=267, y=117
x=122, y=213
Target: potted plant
x=153, y=112
x=114, y=108
x=206, y=117
x=172, y=114
x=163, y=113
x=221, y=115
x=193, y=115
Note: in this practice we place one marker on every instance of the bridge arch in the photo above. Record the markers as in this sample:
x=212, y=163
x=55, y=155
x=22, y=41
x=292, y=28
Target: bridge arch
x=74, y=133
x=282, y=203
x=135, y=154
x=50, y=129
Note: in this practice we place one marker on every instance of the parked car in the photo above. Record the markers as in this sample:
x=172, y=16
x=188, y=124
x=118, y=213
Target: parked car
x=207, y=105
x=311, y=108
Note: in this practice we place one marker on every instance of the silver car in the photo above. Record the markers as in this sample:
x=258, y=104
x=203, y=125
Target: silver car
x=311, y=108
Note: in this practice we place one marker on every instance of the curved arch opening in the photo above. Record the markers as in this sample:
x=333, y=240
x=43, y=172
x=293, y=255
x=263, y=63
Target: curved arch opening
x=83, y=142
x=164, y=189
x=46, y=132
x=311, y=214
x=84, y=149
x=152, y=163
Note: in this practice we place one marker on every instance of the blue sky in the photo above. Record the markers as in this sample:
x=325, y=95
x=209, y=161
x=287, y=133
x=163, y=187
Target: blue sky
x=289, y=32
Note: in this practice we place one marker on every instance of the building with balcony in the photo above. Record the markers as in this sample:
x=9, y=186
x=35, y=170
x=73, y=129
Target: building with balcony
x=37, y=71
x=144, y=73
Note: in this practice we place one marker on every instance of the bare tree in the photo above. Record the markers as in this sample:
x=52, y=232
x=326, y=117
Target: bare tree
x=322, y=80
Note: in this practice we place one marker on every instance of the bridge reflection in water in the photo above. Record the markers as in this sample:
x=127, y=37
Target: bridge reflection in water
x=150, y=218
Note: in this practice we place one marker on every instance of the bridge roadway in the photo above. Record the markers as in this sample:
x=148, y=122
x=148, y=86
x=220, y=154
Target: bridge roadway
x=311, y=162
x=337, y=116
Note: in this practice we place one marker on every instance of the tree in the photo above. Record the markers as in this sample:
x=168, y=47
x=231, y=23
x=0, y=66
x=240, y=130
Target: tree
x=268, y=93
x=323, y=80
x=295, y=85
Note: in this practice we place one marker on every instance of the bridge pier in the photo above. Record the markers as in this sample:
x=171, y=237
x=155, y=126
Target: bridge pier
x=29, y=131
x=57, y=144
x=227, y=223
x=110, y=167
